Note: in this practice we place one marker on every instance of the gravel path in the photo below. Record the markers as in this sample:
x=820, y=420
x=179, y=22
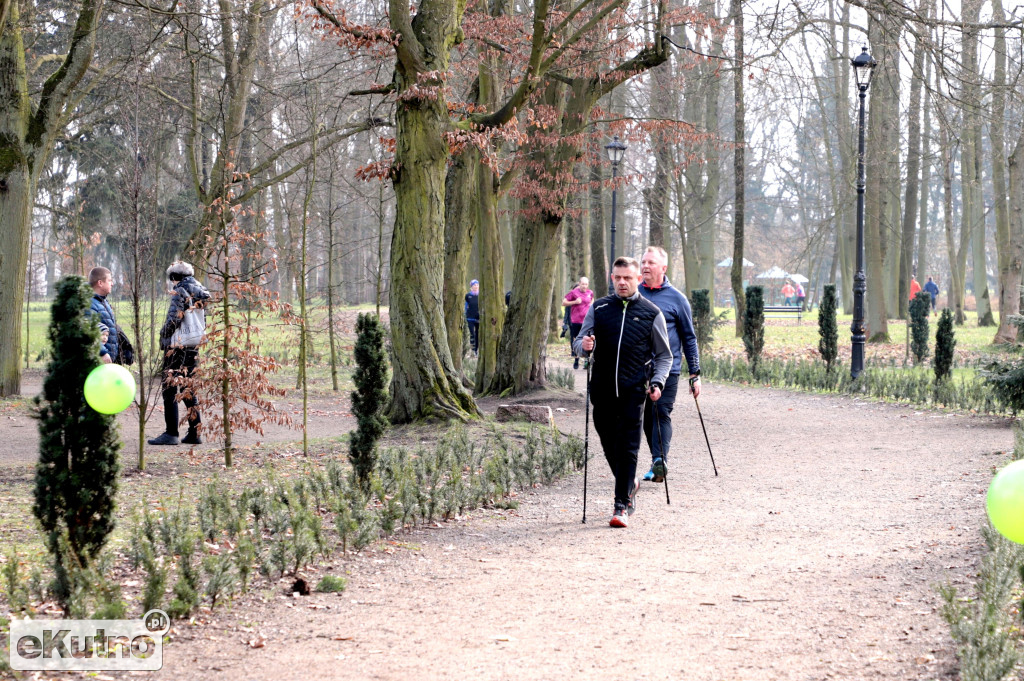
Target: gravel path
x=815, y=554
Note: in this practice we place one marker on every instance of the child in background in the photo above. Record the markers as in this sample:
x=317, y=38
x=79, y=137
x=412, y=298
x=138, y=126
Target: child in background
x=104, y=335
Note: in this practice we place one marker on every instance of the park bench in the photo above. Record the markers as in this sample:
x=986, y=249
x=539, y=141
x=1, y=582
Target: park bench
x=783, y=311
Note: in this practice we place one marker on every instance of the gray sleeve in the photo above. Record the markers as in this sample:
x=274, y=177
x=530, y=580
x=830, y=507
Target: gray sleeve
x=585, y=330
x=662, y=350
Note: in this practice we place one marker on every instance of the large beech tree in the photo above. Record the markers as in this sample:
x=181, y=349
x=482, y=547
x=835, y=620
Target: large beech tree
x=29, y=126
x=425, y=382
x=556, y=141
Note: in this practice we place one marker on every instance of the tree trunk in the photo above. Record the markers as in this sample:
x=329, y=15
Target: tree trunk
x=1010, y=248
x=926, y=176
x=739, y=171
x=883, y=119
x=970, y=161
x=957, y=256
x=599, y=265
x=492, y=277
x=910, y=202
x=460, y=209
x=425, y=382
x=27, y=135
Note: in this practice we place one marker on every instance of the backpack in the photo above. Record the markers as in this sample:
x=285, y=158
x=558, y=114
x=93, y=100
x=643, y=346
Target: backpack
x=125, y=351
x=190, y=332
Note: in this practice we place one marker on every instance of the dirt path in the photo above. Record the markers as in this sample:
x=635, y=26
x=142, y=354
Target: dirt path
x=814, y=555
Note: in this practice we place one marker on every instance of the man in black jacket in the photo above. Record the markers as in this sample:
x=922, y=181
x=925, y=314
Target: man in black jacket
x=631, y=356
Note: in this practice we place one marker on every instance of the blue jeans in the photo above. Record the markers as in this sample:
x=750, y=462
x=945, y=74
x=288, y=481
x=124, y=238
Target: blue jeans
x=659, y=439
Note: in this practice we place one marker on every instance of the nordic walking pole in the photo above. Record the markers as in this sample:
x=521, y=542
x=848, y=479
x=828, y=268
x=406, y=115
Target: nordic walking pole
x=661, y=446
x=703, y=428
x=586, y=440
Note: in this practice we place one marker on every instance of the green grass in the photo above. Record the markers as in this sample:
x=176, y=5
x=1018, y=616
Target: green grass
x=278, y=339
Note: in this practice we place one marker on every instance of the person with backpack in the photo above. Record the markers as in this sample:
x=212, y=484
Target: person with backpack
x=102, y=284
x=180, y=338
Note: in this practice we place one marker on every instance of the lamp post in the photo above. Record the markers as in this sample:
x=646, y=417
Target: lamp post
x=616, y=150
x=863, y=65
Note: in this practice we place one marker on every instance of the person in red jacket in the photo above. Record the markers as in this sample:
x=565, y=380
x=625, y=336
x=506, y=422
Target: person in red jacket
x=915, y=287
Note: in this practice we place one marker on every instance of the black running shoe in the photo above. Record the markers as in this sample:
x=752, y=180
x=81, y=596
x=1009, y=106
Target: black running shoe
x=164, y=439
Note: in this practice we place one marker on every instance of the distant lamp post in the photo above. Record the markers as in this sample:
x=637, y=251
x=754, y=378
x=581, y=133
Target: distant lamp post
x=616, y=150
x=863, y=66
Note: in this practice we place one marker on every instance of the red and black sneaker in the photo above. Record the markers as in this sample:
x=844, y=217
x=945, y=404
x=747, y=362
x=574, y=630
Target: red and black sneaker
x=620, y=518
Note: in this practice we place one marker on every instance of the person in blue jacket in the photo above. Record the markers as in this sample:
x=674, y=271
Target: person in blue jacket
x=472, y=310
x=933, y=290
x=656, y=288
x=102, y=283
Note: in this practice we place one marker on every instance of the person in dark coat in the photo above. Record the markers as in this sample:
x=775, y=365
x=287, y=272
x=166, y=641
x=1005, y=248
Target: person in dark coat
x=631, y=361
x=180, y=357
x=472, y=310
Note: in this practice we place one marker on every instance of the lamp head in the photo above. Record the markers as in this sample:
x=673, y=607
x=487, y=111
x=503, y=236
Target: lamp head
x=863, y=66
x=616, y=150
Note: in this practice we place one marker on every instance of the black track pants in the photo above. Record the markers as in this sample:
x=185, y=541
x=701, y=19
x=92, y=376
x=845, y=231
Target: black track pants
x=617, y=420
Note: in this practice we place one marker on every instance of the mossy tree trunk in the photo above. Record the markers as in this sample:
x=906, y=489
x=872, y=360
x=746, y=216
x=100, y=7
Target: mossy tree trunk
x=27, y=132
x=492, y=276
x=425, y=382
x=460, y=227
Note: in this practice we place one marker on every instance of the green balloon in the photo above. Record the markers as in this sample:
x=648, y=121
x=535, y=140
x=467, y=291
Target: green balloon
x=1005, y=501
x=109, y=388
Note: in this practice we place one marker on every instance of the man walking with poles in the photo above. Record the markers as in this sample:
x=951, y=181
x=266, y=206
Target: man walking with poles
x=631, y=356
x=683, y=340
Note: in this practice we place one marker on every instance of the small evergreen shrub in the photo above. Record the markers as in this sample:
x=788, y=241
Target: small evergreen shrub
x=984, y=627
x=753, y=327
x=369, y=400
x=1007, y=376
x=703, y=318
x=562, y=378
x=828, y=329
x=920, y=307
x=77, y=471
x=945, y=343
x=330, y=584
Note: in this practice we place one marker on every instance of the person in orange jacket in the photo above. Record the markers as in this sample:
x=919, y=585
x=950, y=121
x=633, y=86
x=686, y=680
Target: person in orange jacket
x=914, y=287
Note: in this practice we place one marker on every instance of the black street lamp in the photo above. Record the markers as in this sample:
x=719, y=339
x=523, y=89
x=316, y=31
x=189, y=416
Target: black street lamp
x=616, y=150
x=863, y=65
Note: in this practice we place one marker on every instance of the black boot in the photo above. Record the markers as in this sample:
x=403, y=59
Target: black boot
x=192, y=438
x=164, y=439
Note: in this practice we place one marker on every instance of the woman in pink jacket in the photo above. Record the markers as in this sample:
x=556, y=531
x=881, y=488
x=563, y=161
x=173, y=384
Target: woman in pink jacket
x=578, y=301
